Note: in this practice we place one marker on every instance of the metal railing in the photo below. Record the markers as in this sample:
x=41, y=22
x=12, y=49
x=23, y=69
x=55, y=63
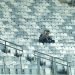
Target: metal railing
x=40, y=55
x=35, y=52
x=5, y=44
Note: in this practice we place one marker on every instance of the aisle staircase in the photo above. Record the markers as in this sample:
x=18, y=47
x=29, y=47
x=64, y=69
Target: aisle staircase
x=14, y=60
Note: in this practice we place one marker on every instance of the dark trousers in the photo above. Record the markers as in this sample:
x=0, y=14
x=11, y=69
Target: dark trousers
x=47, y=40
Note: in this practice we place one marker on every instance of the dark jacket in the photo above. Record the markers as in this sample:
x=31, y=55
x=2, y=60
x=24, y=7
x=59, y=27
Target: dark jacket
x=44, y=39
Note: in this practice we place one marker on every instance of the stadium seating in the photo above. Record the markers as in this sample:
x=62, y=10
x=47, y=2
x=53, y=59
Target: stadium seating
x=21, y=22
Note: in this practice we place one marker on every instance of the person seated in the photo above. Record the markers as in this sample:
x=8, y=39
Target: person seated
x=45, y=38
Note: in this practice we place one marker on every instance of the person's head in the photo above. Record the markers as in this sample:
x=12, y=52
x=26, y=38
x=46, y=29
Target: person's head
x=46, y=32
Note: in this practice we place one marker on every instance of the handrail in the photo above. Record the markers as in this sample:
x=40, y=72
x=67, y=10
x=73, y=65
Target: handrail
x=11, y=46
x=10, y=42
x=51, y=56
x=53, y=61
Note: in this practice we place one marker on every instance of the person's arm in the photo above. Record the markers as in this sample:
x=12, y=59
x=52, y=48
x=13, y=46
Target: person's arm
x=49, y=37
x=51, y=40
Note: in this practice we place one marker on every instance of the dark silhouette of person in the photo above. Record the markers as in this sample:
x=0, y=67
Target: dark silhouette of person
x=45, y=38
